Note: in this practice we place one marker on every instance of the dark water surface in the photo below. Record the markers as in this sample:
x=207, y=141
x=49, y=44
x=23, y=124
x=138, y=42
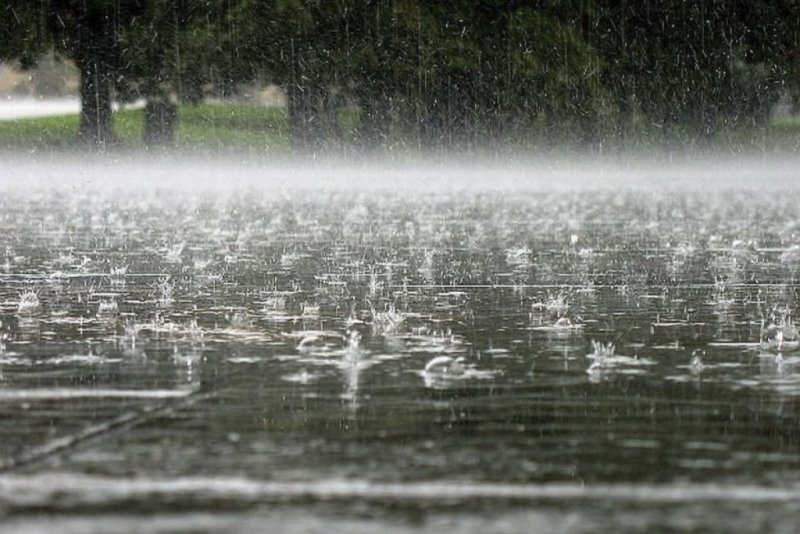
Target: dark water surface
x=255, y=361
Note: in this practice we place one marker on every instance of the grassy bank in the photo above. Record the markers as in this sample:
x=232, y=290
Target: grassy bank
x=203, y=127
x=233, y=128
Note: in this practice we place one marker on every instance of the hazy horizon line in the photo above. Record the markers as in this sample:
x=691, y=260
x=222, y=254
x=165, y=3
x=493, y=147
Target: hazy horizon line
x=445, y=171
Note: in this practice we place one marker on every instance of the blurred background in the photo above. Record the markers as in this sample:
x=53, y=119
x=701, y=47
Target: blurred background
x=594, y=76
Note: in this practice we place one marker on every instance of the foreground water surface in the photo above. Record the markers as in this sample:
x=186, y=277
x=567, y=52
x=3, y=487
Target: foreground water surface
x=322, y=360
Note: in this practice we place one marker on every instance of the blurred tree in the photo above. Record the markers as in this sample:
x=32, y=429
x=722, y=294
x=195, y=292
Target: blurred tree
x=434, y=72
x=768, y=59
x=490, y=70
x=176, y=51
x=385, y=61
x=24, y=33
x=86, y=31
x=689, y=68
x=297, y=44
x=553, y=75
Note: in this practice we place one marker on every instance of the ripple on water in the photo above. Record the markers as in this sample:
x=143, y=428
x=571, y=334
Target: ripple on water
x=256, y=297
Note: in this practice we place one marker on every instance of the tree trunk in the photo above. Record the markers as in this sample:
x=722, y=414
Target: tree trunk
x=433, y=118
x=96, y=82
x=304, y=118
x=624, y=131
x=375, y=120
x=587, y=133
x=95, y=53
x=161, y=117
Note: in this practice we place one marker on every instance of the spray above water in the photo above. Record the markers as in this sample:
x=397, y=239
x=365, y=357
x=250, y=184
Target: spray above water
x=338, y=321
x=28, y=303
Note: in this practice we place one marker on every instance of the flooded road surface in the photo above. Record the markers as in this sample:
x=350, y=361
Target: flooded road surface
x=337, y=361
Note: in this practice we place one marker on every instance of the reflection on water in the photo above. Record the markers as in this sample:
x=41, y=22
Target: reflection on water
x=504, y=347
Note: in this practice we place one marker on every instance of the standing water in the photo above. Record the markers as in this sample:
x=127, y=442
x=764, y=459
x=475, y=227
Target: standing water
x=478, y=360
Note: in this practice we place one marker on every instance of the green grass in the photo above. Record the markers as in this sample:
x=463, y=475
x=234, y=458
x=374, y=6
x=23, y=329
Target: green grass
x=128, y=127
x=40, y=132
x=205, y=126
x=231, y=126
x=253, y=129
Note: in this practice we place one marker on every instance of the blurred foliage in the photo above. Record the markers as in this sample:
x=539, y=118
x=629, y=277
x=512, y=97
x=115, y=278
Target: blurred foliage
x=86, y=31
x=438, y=73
